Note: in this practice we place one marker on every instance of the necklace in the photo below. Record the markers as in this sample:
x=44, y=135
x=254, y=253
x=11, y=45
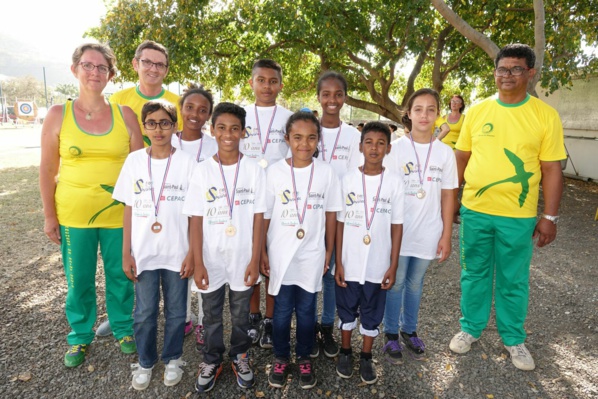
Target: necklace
x=421, y=193
x=87, y=113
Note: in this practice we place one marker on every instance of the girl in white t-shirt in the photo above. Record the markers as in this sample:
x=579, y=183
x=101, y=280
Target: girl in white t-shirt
x=339, y=147
x=196, y=108
x=152, y=184
x=302, y=196
x=429, y=172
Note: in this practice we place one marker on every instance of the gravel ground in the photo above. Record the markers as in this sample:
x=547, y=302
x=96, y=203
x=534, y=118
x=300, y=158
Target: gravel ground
x=562, y=325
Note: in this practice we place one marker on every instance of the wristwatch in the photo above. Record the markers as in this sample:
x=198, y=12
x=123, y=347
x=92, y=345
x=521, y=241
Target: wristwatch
x=553, y=219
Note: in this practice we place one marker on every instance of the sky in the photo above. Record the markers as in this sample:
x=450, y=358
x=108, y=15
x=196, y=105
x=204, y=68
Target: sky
x=54, y=27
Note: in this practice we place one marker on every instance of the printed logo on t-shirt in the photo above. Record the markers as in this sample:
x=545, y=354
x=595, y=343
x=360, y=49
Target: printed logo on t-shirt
x=214, y=194
x=521, y=177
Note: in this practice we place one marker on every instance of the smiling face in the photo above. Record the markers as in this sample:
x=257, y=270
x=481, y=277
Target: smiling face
x=513, y=85
x=331, y=96
x=151, y=76
x=195, y=112
x=94, y=79
x=160, y=136
x=266, y=84
x=374, y=147
x=423, y=114
x=303, y=141
x=228, y=131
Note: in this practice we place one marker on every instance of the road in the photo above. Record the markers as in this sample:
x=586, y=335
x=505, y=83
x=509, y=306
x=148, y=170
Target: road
x=20, y=146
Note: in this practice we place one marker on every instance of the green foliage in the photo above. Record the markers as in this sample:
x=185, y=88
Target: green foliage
x=24, y=88
x=385, y=49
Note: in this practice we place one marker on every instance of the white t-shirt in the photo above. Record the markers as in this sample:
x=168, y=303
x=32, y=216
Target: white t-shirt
x=369, y=262
x=294, y=261
x=168, y=248
x=346, y=154
x=423, y=220
x=277, y=147
x=226, y=258
x=208, y=146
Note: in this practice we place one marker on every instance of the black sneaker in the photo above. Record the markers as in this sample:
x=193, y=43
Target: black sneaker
x=414, y=344
x=367, y=372
x=254, y=326
x=344, y=365
x=243, y=371
x=330, y=346
x=266, y=333
x=315, y=350
x=307, y=378
x=207, y=376
x=279, y=373
x=392, y=349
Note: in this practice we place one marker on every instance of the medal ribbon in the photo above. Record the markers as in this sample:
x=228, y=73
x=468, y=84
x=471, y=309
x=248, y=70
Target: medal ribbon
x=259, y=130
x=369, y=220
x=229, y=200
x=419, y=172
x=311, y=177
x=200, y=145
x=149, y=168
x=338, y=134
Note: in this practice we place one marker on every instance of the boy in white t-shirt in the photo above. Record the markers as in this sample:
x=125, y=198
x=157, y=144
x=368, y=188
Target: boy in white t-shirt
x=264, y=142
x=226, y=201
x=368, y=241
x=303, y=196
x=152, y=184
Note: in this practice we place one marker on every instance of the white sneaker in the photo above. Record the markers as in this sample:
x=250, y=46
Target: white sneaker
x=141, y=376
x=461, y=343
x=173, y=372
x=521, y=357
x=104, y=329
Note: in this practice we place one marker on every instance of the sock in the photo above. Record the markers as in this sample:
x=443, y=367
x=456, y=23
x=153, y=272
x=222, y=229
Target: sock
x=348, y=351
x=392, y=337
x=365, y=355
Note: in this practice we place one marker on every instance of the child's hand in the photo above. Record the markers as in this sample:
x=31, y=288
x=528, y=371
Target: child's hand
x=187, y=266
x=265, y=264
x=251, y=275
x=444, y=249
x=389, y=279
x=201, y=278
x=339, y=276
x=130, y=267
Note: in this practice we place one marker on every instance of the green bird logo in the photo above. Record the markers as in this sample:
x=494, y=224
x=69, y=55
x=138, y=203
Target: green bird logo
x=110, y=189
x=521, y=177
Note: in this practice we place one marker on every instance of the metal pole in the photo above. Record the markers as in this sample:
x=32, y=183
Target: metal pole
x=45, y=87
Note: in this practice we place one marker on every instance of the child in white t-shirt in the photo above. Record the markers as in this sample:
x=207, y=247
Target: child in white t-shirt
x=302, y=197
x=196, y=108
x=429, y=173
x=226, y=201
x=152, y=184
x=368, y=241
x=264, y=141
x=339, y=147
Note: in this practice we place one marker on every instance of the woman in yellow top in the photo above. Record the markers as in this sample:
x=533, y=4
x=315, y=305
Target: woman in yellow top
x=84, y=145
x=450, y=124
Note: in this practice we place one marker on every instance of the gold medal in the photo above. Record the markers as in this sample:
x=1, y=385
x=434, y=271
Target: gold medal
x=421, y=193
x=367, y=239
x=300, y=234
x=230, y=230
x=263, y=163
x=156, y=227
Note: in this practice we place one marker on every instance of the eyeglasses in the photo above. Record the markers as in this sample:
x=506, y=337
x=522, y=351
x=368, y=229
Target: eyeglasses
x=515, y=71
x=152, y=125
x=88, y=66
x=456, y=102
x=147, y=64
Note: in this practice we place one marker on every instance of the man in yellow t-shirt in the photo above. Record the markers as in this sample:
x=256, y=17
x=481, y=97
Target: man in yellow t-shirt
x=507, y=146
x=151, y=64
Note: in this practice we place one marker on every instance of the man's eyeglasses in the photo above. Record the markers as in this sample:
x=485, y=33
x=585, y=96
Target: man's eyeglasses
x=88, y=66
x=515, y=71
x=147, y=64
x=152, y=125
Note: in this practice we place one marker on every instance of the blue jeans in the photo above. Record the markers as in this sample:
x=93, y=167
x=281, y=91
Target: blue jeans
x=213, y=308
x=328, y=295
x=147, y=295
x=403, y=299
x=293, y=298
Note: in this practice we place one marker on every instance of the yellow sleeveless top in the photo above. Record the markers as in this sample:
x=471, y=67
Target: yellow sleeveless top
x=89, y=167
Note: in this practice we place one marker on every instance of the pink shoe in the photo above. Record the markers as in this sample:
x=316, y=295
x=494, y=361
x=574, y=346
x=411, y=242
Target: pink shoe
x=188, y=328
